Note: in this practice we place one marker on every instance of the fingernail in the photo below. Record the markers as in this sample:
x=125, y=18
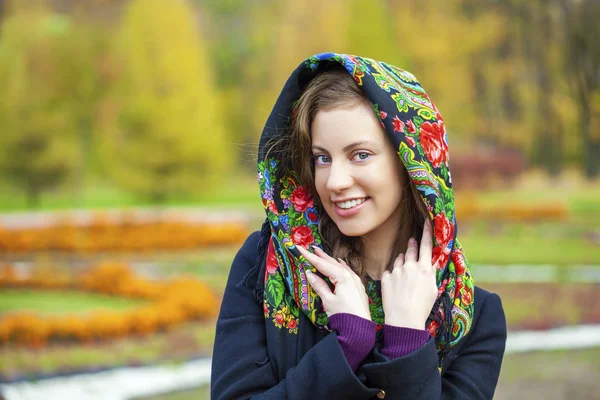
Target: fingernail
x=412, y=240
x=310, y=277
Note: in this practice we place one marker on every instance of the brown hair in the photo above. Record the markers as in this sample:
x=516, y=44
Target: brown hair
x=329, y=90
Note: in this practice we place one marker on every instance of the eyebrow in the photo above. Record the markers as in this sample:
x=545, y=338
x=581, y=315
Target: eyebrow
x=350, y=146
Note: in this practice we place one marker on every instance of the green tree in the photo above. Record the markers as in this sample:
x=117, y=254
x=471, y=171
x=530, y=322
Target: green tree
x=38, y=149
x=166, y=137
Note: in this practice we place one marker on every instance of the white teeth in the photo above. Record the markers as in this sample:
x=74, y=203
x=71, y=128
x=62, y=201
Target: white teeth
x=351, y=203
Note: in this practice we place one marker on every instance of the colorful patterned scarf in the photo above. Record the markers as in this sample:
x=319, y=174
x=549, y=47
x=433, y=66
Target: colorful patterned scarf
x=417, y=131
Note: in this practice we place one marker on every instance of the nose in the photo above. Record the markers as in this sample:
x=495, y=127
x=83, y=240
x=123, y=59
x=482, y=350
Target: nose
x=339, y=178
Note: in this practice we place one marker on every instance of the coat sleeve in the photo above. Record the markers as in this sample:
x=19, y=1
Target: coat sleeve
x=473, y=374
x=241, y=368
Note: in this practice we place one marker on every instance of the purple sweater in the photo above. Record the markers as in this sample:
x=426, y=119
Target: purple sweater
x=356, y=336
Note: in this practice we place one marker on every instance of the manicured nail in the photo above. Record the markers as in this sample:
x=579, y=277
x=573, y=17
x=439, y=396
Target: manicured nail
x=412, y=240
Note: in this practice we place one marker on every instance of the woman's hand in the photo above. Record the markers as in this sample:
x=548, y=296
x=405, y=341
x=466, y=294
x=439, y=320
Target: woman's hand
x=409, y=291
x=349, y=295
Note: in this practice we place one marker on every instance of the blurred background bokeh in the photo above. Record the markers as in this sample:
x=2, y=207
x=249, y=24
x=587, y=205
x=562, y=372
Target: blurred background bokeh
x=128, y=132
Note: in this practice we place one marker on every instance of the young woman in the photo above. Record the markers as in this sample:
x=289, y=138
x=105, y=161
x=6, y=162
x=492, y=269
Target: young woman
x=356, y=287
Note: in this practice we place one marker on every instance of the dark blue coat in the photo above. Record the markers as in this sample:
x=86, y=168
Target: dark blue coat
x=247, y=365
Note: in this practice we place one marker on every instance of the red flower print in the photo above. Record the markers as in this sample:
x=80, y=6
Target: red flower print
x=383, y=114
x=312, y=216
x=279, y=319
x=272, y=263
x=439, y=257
x=265, y=309
x=459, y=284
x=467, y=297
x=411, y=126
x=444, y=231
x=433, y=327
x=302, y=236
x=301, y=199
x=459, y=262
x=291, y=323
x=410, y=141
x=442, y=286
x=432, y=139
x=273, y=208
x=398, y=124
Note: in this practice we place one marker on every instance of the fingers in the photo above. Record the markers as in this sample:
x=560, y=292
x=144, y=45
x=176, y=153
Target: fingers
x=323, y=266
x=322, y=254
x=411, y=251
x=426, y=250
x=346, y=266
x=319, y=286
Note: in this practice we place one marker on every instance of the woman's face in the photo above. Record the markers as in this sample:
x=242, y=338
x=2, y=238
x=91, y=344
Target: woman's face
x=358, y=173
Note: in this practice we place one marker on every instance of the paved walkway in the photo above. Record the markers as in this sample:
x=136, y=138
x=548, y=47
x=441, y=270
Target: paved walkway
x=127, y=383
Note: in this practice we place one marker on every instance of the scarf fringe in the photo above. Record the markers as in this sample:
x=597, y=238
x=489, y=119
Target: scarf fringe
x=442, y=314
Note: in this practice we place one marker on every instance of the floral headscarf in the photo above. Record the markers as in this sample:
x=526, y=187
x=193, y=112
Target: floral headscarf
x=417, y=131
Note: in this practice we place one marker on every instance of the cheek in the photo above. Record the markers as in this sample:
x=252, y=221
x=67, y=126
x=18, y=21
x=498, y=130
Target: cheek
x=320, y=180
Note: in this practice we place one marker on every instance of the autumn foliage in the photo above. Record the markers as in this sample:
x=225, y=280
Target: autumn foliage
x=170, y=303
x=126, y=234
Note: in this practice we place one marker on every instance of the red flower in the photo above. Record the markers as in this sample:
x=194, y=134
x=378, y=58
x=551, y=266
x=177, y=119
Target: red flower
x=442, y=286
x=291, y=323
x=459, y=284
x=410, y=141
x=432, y=139
x=383, y=114
x=279, y=319
x=459, y=262
x=433, y=327
x=312, y=216
x=467, y=297
x=439, y=257
x=411, y=126
x=265, y=309
x=301, y=199
x=273, y=208
x=398, y=125
x=302, y=236
x=444, y=231
x=272, y=263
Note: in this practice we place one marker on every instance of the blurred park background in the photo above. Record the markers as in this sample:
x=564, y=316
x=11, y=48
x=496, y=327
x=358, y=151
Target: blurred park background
x=128, y=132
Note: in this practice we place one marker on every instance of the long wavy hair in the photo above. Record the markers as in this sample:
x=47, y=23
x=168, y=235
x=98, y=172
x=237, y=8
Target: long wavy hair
x=336, y=89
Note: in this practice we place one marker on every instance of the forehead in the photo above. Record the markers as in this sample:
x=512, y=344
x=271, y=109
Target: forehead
x=335, y=129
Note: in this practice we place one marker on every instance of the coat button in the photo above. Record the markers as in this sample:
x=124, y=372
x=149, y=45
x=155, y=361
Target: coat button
x=381, y=394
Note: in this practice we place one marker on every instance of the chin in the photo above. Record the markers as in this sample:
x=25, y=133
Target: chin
x=353, y=229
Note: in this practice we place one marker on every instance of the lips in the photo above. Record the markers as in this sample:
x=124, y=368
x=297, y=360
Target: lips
x=349, y=212
x=347, y=204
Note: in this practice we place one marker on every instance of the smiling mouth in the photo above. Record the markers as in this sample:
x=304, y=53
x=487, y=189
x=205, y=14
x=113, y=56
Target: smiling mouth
x=347, y=205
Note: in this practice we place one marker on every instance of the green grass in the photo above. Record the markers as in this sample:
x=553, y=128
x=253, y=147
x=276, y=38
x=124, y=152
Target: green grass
x=533, y=250
x=201, y=393
x=55, y=302
x=174, y=346
x=240, y=192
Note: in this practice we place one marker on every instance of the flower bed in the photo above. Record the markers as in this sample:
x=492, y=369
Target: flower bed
x=468, y=208
x=171, y=303
x=126, y=234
